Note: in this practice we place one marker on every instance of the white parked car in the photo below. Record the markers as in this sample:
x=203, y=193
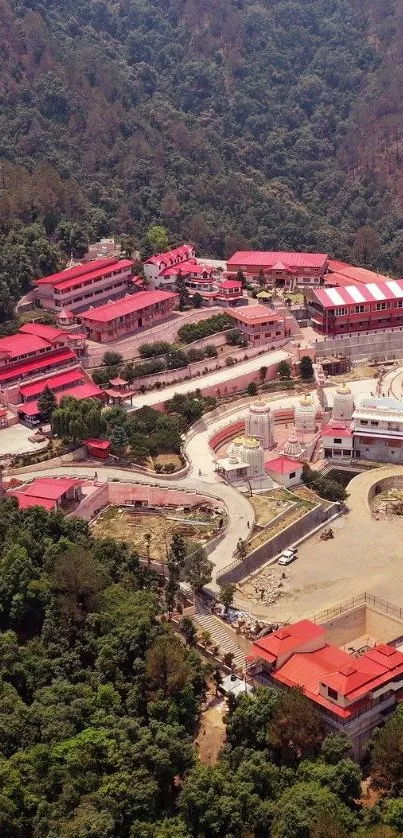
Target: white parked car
x=288, y=556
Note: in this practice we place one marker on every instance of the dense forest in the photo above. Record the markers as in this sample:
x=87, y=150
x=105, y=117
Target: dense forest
x=262, y=123
x=100, y=701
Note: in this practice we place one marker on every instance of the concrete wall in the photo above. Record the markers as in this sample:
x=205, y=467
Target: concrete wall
x=74, y=456
x=383, y=484
x=346, y=627
x=239, y=570
x=92, y=504
x=383, y=627
x=383, y=344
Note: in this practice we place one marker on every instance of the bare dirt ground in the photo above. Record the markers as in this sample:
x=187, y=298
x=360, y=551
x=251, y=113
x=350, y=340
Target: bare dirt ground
x=211, y=735
x=365, y=554
x=133, y=528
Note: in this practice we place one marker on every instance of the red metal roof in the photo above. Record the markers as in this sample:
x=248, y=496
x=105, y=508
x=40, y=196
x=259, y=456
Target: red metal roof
x=25, y=501
x=77, y=270
x=268, y=258
x=282, y=465
x=102, y=444
x=232, y=284
x=16, y=345
x=184, y=251
x=337, y=429
x=83, y=391
x=119, y=265
x=188, y=267
x=117, y=382
x=373, y=292
x=50, y=487
x=54, y=381
x=341, y=273
x=287, y=639
x=130, y=304
x=31, y=367
x=47, y=332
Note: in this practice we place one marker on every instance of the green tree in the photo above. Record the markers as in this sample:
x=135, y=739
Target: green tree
x=157, y=238
x=198, y=569
x=166, y=667
x=252, y=388
x=387, y=753
x=284, y=370
x=296, y=731
x=306, y=368
x=188, y=630
x=112, y=359
x=47, y=403
x=197, y=300
x=181, y=289
x=227, y=595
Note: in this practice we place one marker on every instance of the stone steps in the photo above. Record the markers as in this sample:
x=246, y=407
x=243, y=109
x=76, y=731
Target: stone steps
x=220, y=636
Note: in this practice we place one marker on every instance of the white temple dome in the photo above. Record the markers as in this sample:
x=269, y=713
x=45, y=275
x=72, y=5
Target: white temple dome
x=259, y=423
x=293, y=447
x=305, y=414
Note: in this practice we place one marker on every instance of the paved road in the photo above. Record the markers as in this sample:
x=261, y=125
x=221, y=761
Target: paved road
x=213, y=379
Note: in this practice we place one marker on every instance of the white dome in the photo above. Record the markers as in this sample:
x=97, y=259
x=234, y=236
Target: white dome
x=292, y=447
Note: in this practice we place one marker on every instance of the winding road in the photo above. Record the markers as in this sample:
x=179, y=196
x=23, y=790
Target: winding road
x=202, y=476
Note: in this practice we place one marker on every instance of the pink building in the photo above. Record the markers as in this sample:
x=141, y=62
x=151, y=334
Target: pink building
x=125, y=317
x=76, y=288
x=260, y=325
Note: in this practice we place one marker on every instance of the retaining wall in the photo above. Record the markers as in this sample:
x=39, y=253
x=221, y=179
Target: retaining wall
x=382, y=344
x=238, y=570
x=78, y=455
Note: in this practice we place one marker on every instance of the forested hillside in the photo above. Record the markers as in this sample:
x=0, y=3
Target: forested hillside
x=99, y=704
x=230, y=122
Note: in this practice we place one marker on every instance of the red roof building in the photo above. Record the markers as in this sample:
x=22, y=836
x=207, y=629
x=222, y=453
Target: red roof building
x=353, y=693
x=280, y=269
x=132, y=314
x=76, y=288
x=48, y=492
x=337, y=440
x=353, y=308
x=260, y=325
x=342, y=274
x=284, y=470
x=98, y=448
x=156, y=265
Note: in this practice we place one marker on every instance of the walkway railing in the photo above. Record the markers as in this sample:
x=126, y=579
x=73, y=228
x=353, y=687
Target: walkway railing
x=357, y=602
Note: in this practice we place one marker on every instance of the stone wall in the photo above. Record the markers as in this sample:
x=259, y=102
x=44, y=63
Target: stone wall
x=385, y=344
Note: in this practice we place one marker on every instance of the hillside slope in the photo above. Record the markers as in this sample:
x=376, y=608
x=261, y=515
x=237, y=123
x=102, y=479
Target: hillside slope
x=231, y=122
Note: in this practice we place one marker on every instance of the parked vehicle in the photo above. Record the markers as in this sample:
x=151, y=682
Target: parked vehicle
x=288, y=556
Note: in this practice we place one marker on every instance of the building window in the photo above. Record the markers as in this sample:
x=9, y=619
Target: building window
x=341, y=311
x=364, y=422
x=292, y=474
x=332, y=694
x=381, y=306
x=337, y=441
x=359, y=309
x=374, y=424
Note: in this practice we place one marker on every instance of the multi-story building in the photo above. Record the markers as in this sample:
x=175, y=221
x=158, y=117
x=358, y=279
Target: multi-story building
x=132, y=314
x=354, y=695
x=337, y=440
x=378, y=430
x=338, y=311
x=155, y=266
x=279, y=269
x=260, y=325
x=75, y=289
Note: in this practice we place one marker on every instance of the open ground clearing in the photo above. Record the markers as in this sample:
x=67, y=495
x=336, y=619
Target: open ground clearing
x=133, y=527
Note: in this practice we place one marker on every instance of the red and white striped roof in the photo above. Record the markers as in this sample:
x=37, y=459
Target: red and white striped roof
x=372, y=292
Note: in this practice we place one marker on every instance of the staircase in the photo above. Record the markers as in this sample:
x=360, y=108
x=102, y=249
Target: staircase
x=220, y=636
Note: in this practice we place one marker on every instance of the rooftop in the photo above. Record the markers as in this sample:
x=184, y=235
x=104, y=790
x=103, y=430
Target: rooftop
x=382, y=405
x=373, y=292
x=32, y=366
x=341, y=273
x=49, y=333
x=181, y=252
x=282, y=465
x=337, y=429
x=130, y=304
x=53, y=381
x=256, y=314
x=22, y=344
x=117, y=265
x=77, y=270
x=187, y=267
x=269, y=258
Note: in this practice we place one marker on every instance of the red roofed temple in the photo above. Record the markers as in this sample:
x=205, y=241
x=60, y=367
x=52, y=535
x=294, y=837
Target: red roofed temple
x=353, y=694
